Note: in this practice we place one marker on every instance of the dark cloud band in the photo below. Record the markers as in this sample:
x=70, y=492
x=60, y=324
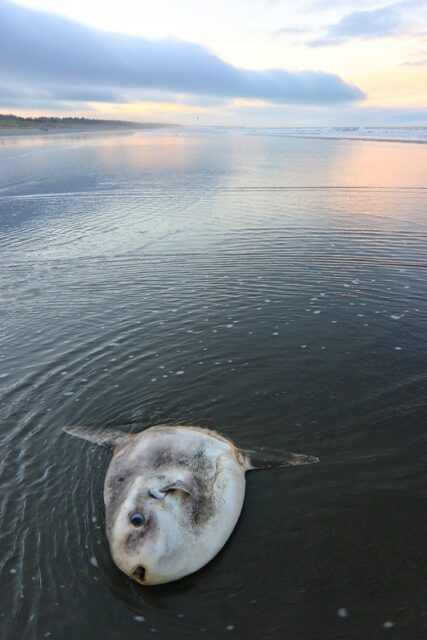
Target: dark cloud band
x=78, y=62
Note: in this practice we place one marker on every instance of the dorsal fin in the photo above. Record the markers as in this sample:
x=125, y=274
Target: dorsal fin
x=111, y=438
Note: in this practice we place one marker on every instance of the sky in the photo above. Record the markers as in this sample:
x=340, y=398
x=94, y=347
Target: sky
x=217, y=62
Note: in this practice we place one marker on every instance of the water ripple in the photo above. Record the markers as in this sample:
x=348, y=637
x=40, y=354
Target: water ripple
x=210, y=292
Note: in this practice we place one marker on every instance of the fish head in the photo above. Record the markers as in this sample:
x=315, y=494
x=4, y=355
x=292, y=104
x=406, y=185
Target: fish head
x=149, y=522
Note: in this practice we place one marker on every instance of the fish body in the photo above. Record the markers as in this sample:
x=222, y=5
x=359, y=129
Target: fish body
x=173, y=495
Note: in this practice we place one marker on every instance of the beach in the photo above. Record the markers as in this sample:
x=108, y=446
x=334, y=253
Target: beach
x=17, y=131
x=268, y=286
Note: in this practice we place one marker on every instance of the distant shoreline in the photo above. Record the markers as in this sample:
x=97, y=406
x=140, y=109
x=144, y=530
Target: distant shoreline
x=59, y=129
x=313, y=136
x=13, y=132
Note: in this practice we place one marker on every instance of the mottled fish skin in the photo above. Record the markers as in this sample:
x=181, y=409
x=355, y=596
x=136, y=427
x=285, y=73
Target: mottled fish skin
x=183, y=531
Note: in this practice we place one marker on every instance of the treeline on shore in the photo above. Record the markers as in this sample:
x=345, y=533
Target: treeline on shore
x=11, y=120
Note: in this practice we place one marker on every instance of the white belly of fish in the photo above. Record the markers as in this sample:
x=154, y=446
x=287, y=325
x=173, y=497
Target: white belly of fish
x=182, y=531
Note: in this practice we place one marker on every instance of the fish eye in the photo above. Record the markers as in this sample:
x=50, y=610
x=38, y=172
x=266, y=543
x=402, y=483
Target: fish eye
x=137, y=519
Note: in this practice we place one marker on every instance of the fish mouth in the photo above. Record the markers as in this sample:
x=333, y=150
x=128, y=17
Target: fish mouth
x=138, y=574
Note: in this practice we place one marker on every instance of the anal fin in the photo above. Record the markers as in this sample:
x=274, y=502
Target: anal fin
x=266, y=459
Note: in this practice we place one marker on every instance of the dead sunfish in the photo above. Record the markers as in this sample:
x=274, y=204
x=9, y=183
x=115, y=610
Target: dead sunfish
x=173, y=495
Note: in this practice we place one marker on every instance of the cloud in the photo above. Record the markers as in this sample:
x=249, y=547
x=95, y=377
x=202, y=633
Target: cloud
x=374, y=23
x=417, y=59
x=70, y=61
x=284, y=31
x=422, y=62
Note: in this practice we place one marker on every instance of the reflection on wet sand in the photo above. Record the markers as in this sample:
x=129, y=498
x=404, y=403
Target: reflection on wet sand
x=271, y=288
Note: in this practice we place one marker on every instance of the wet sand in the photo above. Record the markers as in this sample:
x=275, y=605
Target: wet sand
x=271, y=288
x=7, y=132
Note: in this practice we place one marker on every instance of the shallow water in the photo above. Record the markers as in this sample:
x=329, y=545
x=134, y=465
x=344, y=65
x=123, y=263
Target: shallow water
x=273, y=288
x=398, y=134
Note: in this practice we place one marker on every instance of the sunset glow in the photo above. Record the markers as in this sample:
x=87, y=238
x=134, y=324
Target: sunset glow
x=261, y=62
